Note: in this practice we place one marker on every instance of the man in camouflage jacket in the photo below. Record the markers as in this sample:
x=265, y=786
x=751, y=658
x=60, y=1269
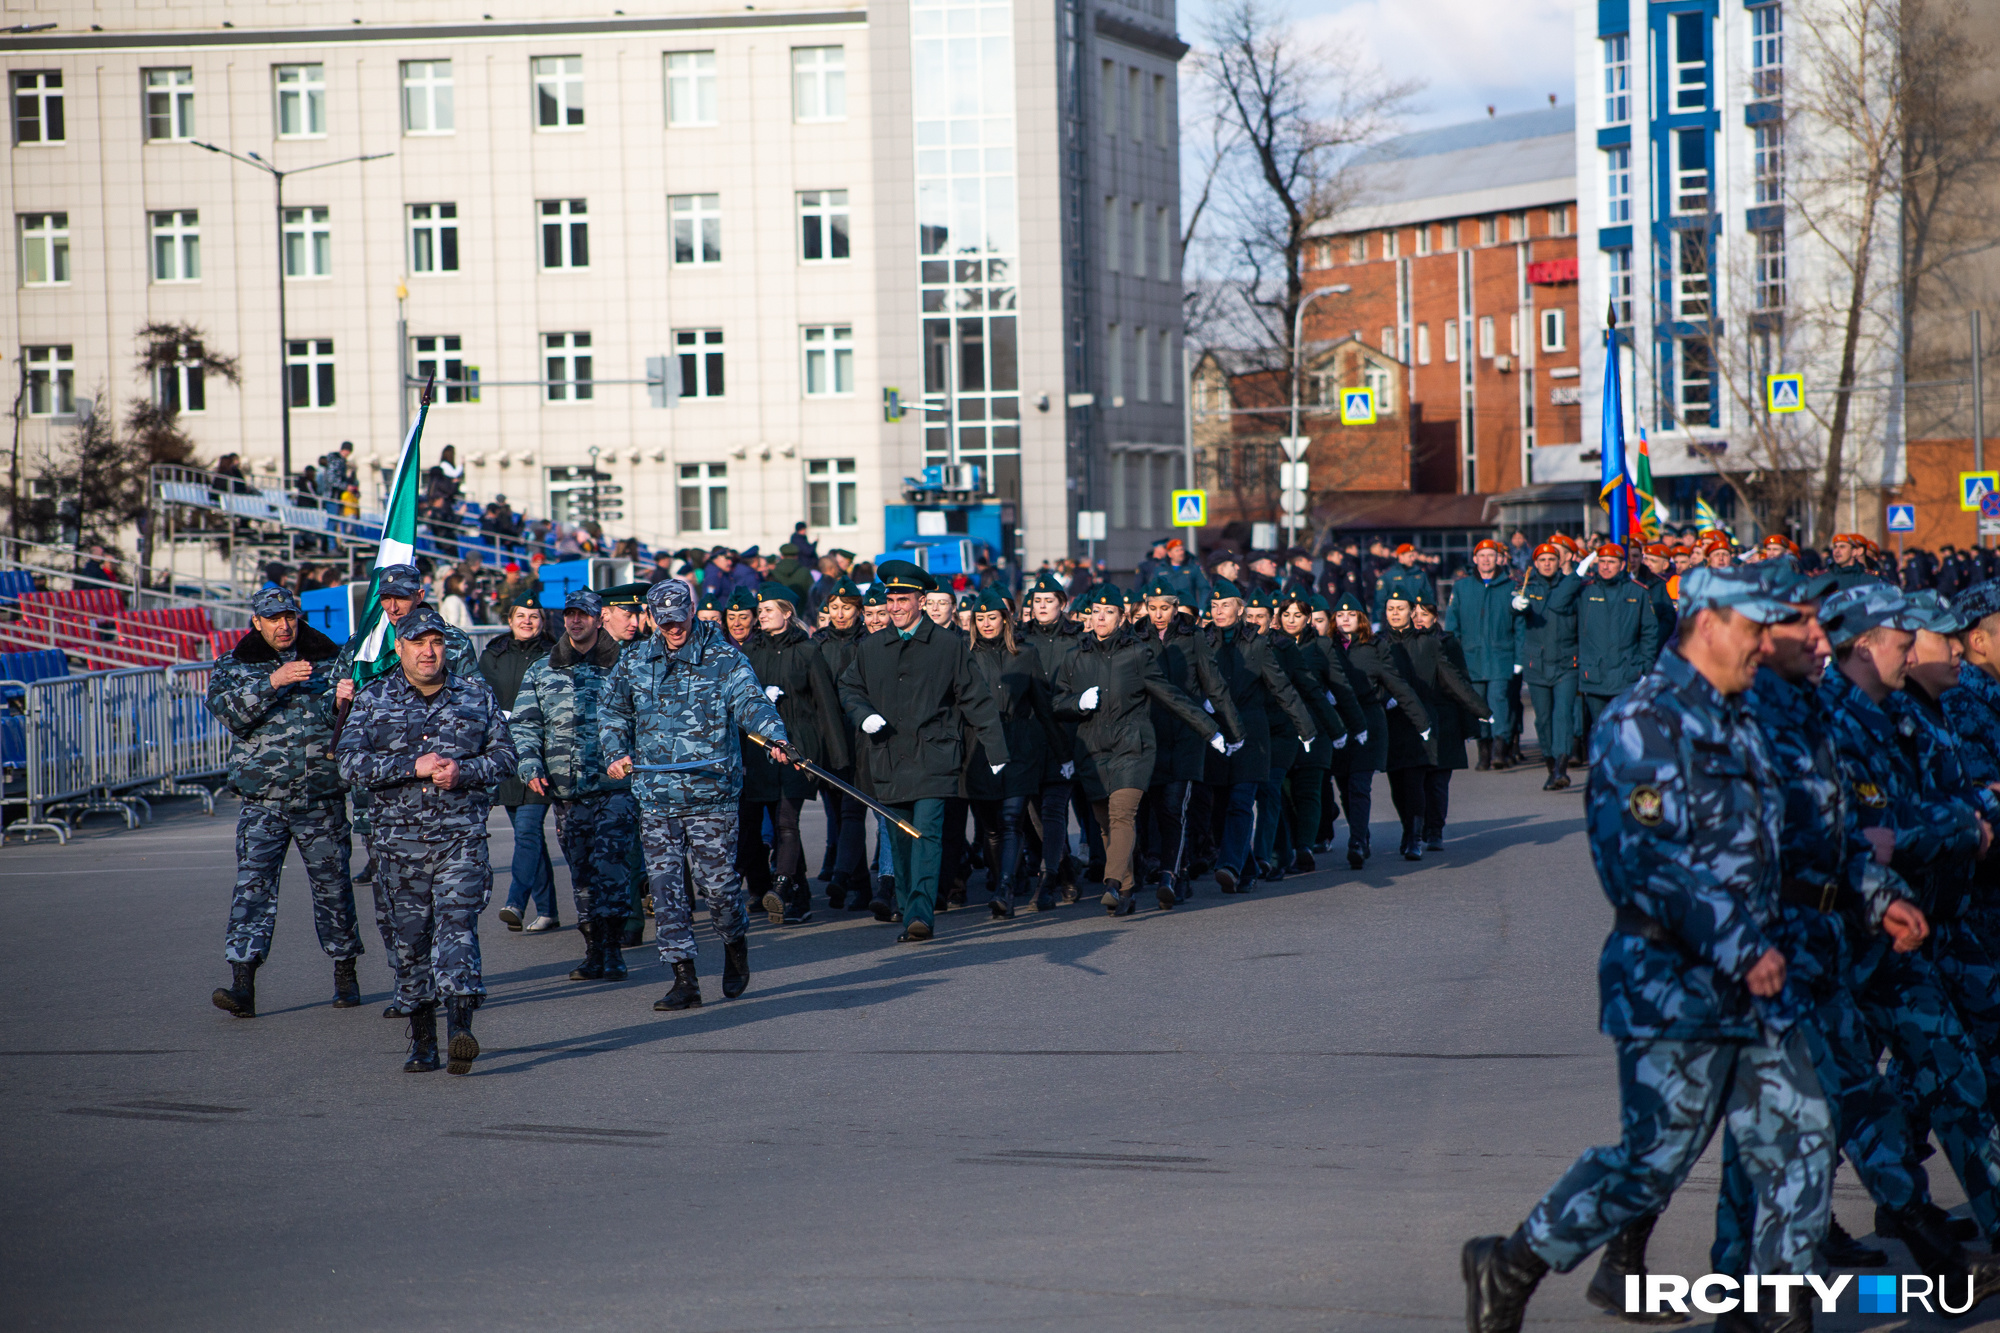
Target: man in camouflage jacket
x=685, y=696
x=430, y=745
x=554, y=726
x=276, y=692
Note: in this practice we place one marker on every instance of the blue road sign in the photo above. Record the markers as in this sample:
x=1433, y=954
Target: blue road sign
x=1902, y=518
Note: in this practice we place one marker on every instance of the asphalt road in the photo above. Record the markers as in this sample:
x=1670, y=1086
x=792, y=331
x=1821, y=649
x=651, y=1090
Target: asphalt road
x=1284, y=1111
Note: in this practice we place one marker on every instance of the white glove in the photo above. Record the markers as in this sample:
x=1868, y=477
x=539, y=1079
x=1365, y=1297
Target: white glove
x=1217, y=744
x=773, y=693
x=1068, y=770
x=1089, y=699
x=1207, y=707
x=996, y=768
x=1586, y=566
x=1233, y=748
x=1361, y=737
x=1425, y=733
x=1307, y=744
x=1340, y=743
x=1330, y=699
x=1520, y=601
x=1517, y=668
x=874, y=723
x=1390, y=702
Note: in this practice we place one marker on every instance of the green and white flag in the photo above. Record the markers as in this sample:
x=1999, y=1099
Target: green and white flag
x=399, y=547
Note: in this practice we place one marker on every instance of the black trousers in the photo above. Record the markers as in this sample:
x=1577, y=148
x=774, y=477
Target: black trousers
x=999, y=825
x=784, y=857
x=847, y=830
x=1422, y=797
x=1163, y=826
x=1357, y=793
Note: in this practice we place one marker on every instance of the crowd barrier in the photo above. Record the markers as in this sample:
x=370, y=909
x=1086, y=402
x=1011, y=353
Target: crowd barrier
x=104, y=742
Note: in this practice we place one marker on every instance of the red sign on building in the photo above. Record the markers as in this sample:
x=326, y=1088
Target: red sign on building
x=1551, y=272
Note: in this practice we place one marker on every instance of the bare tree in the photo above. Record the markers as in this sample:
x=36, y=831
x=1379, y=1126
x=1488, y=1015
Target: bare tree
x=1287, y=119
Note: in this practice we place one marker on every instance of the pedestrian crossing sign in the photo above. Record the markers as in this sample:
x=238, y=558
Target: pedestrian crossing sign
x=1974, y=487
x=1357, y=407
x=1190, y=509
x=1902, y=518
x=1784, y=393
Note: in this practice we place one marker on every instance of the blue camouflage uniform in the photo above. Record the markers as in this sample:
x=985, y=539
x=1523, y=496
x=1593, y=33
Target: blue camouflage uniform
x=1685, y=814
x=432, y=876
x=1973, y=710
x=555, y=730
x=666, y=705
x=291, y=790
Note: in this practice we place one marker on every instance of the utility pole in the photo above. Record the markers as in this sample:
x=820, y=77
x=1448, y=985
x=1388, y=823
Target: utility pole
x=1295, y=443
x=1978, y=414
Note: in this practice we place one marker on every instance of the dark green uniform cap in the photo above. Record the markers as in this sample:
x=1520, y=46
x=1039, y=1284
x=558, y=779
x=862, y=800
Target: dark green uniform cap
x=1161, y=588
x=903, y=576
x=878, y=595
x=1047, y=582
x=845, y=587
x=741, y=600
x=991, y=599
x=1224, y=588
x=629, y=595
x=773, y=591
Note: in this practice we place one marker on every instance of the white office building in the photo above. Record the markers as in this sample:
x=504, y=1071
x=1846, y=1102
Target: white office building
x=777, y=215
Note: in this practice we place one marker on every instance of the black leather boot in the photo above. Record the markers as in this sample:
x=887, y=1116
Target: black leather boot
x=632, y=932
x=1045, y=898
x=1167, y=893
x=883, y=904
x=686, y=992
x=460, y=1046
x=1958, y=1228
x=1841, y=1250
x=1500, y=1274
x=735, y=969
x=592, y=967
x=1550, y=785
x=611, y=933
x=346, y=986
x=1356, y=857
x=772, y=900
x=1626, y=1254
x=1413, y=843
x=857, y=891
x=1924, y=1229
x=423, y=1040
x=239, y=997
x=1485, y=756
x=798, y=900
x=1562, y=772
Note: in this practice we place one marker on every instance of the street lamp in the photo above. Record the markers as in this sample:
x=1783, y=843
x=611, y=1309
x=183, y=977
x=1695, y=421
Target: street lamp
x=1298, y=369
x=278, y=178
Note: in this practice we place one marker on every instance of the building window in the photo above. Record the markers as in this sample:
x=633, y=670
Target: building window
x=1164, y=221
x=1142, y=378
x=44, y=249
x=1694, y=386
x=1388, y=343
x=1135, y=239
x=427, y=97
x=1770, y=275
x=1378, y=380
x=1617, y=79
x=38, y=106
x=1690, y=72
x=434, y=238
x=1170, y=369
x=1486, y=336
x=1489, y=231
x=819, y=83
x=829, y=352
x=566, y=367
x=1690, y=275
x=1110, y=234
x=179, y=388
x=169, y=105
x=1558, y=222
x=1517, y=226
x=1451, y=340
x=1449, y=240
x=1555, y=329
x=1423, y=344
x=832, y=493
x=1690, y=148
x=1424, y=240
x=51, y=380
x=823, y=226
x=1767, y=53
x=301, y=101
x=441, y=355
x=1107, y=96
x=1617, y=186
x=177, y=245
x=700, y=352
x=1357, y=249
x=704, y=497
x=309, y=373
x=1768, y=161
x=1618, y=269
x=691, y=97
x=565, y=234
x=1134, y=124
x=1322, y=255
x=1114, y=356
x=697, y=220
x=308, y=243
x=558, y=92
x=1160, y=110
x=1391, y=244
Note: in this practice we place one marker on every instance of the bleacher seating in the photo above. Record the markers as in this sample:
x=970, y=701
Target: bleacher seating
x=14, y=582
x=186, y=628
x=221, y=641
x=29, y=667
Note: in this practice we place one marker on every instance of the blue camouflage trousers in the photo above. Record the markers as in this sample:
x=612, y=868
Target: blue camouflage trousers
x=1971, y=979
x=596, y=833
x=430, y=888
x=688, y=854
x=1673, y=1095
x=264, y=831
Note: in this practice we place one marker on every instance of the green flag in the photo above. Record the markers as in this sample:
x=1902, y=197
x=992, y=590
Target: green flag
x=399, y=547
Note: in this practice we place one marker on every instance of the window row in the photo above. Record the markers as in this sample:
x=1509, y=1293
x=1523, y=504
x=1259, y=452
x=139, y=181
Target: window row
x=1688, y=74
x=833, y=495
x=1687, y=264
x=1140, y=363
x=429, y=103
x=1441, y=237
x=1139, y=239
x=1688, y=154
x=823, y=237
x=1135, y=104
x=1553, y=323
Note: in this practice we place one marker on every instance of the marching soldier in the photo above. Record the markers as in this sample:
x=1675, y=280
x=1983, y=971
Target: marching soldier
x=846, y=817
x=1184, y=658
x=626, y=622
x=1618, y=635
x=1051, y=637
x=682, y=697
x=1483, y=618
x=430, y=745
x=555, y=728
x=1547, y=657
x=277, y=694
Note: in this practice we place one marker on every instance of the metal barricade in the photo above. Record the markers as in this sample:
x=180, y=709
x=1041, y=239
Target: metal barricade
x=197, y=743
x=58, y=738
x=131, y=750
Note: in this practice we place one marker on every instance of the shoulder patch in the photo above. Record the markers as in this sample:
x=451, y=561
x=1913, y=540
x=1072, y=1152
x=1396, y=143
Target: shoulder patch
x=1870, y=795
x=1645, y=805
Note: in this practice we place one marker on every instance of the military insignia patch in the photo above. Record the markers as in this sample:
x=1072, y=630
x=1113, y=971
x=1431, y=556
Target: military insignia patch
x=1646, y=805
x=1870, y=795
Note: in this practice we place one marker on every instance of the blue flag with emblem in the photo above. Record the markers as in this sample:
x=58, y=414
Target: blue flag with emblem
x=1613, y=487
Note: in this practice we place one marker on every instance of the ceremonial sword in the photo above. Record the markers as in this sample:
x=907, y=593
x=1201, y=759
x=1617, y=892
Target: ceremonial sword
x=808, y=767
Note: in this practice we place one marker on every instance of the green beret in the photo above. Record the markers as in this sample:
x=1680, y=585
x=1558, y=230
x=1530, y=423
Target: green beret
x=741, y=600
x=708, y=603
x=772, y=591
x=1049, y=583
x=845, y=587
x=878, y=595
x=1349, y=601
x=1224, y=588
x=991, y=599
x=1315, y=602
x=1160, y=588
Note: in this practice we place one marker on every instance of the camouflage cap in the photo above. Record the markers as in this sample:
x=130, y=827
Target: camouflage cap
x=1784, y=580
x=422, y=619
x=1852, y=612
x=1978, y=602
x=671, y=601
x=1738, y=588
x=1940, y=614
x=586, y=601
x=399, y=581
x=272, y=602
